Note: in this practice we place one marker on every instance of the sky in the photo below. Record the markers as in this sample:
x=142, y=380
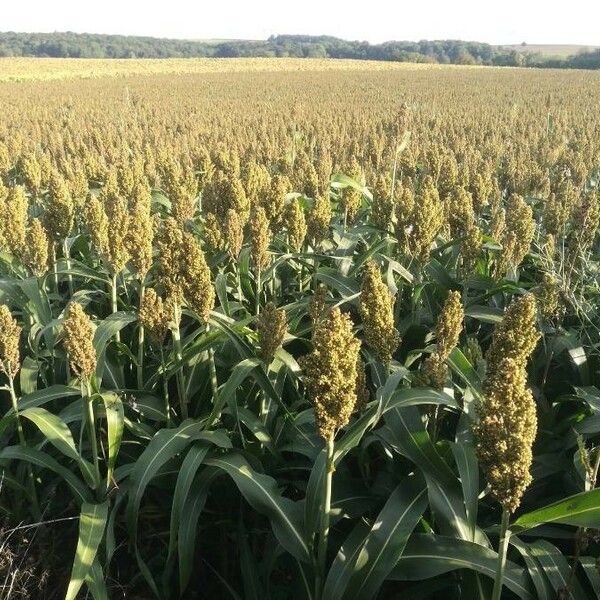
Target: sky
x=499, y=22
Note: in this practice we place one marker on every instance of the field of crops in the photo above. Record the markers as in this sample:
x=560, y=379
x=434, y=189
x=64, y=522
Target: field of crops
x=305, y=333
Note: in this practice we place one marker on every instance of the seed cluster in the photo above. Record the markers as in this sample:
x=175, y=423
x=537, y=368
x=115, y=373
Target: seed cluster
x=10, y=332
x=377, y=313
x=447, y=332
x=508, y=421
x=79, y=341
x=330, y=372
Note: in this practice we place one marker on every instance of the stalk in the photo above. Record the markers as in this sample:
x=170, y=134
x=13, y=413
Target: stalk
x=502, y=548
x=23, y=442
x=141, y=336
x=183, y=404
x=68, y=265
x=165, y=387
x=113, y=301
x=263, y=411
x=214, y=382
x=316, y=263
x=91, y=424
x=238, y=277
x=258, y=286
x=54, y=266
x=325, y=518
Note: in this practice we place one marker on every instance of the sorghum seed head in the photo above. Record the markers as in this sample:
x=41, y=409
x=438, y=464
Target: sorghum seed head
x=10, y=332
x=505, y=433
x=35, y=251
x=319, y=219
x=140, y=232
x=260, y=238
x=79, y=340
x=212, y=235
x=330, y=373
x=195, y=274
x=154, y=315
x=516, y=336
x=377, y=313
x=59, y=213
x=16, y=209
x=234, y=230
x=271, y=328
x=295, y=223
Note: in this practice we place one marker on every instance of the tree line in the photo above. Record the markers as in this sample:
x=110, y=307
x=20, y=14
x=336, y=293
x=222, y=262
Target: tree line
x=87, y=45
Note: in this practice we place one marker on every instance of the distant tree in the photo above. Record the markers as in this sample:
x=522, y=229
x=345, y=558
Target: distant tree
x=69, y=44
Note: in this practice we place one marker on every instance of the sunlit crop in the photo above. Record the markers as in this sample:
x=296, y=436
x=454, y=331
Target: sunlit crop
x=298, y=329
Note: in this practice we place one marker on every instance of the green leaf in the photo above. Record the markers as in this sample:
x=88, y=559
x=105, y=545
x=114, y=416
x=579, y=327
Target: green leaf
x=38, y=398
x=110, y=326
x=461, y=366
x=542, y=586
x=28, y=376
x=485, y=314
x=79, y=269
x=262, y=493
x=185, y=478
x=591, y=395
x=239, y=373
x=106, y=330
x=346, y=286
x=91, y=532
x=40, y=306
x=388, y=400
x=41, y=459
x=429, y=555
x=591, y=570
x=581, y=510
x=59, y=435
x=95, y=581
x=406, y=433
x=341, y=570
x=385, y=543
x=166, y=444
x=114, y=422
x=188, y=526
x=556, y=569
x=465, y=458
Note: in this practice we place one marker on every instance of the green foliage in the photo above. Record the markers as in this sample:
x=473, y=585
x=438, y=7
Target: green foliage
x=89, y=45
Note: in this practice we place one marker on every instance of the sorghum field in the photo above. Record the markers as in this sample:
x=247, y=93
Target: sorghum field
x=299, y=330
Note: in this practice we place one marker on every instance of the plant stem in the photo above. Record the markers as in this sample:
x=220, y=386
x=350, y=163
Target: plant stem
x=165, y=387
x=23, y=442
x=54, y=266
x=68, y=266
x=238, y=277
x=214, y=382
x=264, y=405
x=180, y=375
x=91, y=423
x=113, y=302
x=258, y=286
x=140, y=357
x=502, y=549
x=325, y=517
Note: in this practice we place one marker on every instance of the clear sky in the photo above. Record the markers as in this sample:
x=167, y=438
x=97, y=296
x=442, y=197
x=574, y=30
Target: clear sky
x=495, y=21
